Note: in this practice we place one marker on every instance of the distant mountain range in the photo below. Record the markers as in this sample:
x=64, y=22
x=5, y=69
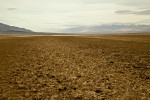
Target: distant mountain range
x=12, y=29
x=85, y=29
x=110, y=29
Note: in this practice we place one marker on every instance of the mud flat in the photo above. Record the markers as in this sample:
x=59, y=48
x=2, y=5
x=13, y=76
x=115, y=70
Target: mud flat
x=75, y=67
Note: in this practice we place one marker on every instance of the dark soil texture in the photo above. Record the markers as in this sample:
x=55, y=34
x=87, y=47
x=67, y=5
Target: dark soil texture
x=92, y=67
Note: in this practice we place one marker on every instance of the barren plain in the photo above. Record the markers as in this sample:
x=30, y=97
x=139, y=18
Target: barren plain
x=75, y=67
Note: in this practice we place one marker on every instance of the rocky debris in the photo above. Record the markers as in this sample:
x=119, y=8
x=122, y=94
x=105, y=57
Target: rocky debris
x=98, y=91
x=73, y=68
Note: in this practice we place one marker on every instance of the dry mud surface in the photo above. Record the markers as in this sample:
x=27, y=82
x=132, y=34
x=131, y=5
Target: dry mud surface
x=92, y=67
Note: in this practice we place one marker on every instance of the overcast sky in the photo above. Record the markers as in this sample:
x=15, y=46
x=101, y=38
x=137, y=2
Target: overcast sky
x=59, y=15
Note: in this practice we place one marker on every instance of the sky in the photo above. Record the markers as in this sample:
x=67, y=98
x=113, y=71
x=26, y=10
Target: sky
x=64, y=15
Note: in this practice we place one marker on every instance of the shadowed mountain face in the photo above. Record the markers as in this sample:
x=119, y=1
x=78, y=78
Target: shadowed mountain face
x=11, y=29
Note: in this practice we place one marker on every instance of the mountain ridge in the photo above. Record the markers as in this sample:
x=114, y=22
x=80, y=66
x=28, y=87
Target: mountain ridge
x=110, y=29
x=4, y=28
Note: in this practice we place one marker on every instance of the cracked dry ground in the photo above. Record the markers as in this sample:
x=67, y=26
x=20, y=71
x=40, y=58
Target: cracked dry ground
x=75, y=68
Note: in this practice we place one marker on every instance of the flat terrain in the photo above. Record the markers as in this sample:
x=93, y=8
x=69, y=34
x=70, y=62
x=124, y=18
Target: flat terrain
x=74, y=67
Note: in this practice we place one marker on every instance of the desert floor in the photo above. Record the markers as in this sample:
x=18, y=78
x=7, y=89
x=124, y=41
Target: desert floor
x=75, y=67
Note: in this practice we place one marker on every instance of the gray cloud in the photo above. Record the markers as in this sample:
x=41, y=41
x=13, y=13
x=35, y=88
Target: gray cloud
x=135, y=3
x=144, y=12
x=11, y=8
x=124, y=12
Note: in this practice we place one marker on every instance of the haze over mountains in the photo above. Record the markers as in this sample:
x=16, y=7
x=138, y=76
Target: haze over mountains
x=85, y=29
x=12, y=29
x=110, y=29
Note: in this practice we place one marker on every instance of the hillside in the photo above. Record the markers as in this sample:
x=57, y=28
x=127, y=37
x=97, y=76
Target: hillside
x=11, y=29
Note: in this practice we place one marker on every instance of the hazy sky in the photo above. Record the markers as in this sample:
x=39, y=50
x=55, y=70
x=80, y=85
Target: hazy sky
x=58, y=15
